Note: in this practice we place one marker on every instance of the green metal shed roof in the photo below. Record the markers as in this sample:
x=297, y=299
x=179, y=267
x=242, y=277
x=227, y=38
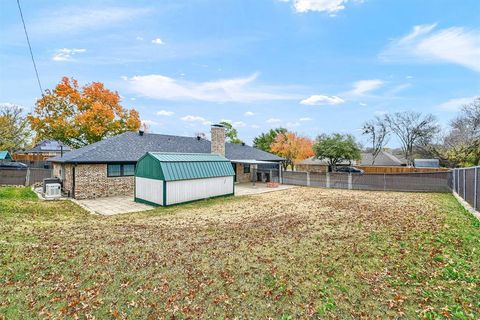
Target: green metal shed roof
x=182, y=166
x=4, y=155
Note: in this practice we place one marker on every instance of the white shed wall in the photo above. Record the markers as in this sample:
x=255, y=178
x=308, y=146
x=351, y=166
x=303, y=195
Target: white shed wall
x=149, y=189
x=189, y=190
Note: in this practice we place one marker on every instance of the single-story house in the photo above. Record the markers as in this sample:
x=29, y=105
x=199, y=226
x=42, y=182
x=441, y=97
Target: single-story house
x=40, y=154
x=313, y=164
x=5, y=156
x=106, y=168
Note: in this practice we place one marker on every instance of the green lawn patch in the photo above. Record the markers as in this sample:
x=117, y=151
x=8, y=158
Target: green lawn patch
x=294, y=254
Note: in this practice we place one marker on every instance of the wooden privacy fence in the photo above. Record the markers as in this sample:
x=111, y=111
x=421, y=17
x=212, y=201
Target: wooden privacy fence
x=23, y=177
x=423, y=182
x=398, y=169
x=466, y=183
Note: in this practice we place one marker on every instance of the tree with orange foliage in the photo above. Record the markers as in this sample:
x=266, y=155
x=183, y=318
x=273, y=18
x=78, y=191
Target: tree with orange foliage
x=292, y=147
x=78, y=116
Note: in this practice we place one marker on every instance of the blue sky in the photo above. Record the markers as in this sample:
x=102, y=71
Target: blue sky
x=312, y=66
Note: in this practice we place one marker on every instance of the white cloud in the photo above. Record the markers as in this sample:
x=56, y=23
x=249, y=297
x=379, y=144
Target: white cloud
x=363, y=104
x=255, y=126
x=455, y=104
x=73, y=19
x=364, y=86
x=329, y=6
x=225, y=90
x=292, y=124
x=235, y=124
x=305, y=119
x=321, y=100
x=149, y=122
x=157, y=41
x=248, y=114
x=425, y=43
x=139, y=38
x=380, y=113
x=191, y=118
x=274, y=120
x=239, y=124
x=165, y=113
x=66, y=54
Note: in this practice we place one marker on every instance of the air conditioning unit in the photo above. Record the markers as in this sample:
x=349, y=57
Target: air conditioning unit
x=53, y=191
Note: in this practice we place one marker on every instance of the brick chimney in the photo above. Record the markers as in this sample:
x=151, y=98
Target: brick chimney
x=218, y=139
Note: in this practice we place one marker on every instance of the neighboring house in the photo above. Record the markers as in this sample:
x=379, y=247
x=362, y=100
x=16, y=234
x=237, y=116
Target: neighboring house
x=5, y=156
x=384, y=159
x=39, y=155
x=314, y=164
x=426, y=163
x=107, y=168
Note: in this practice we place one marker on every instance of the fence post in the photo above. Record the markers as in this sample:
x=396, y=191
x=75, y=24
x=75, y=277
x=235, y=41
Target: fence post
x=475, y=204
x=280, y=173
x=27, y=177
x=349, y=181
x=464, y=184
x=328, y=180
x=384, y=182
x=454, y=185
x=308, y=179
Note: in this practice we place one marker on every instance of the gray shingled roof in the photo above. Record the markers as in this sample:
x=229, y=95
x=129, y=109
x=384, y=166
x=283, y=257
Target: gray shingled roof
x=130, y=146
x=48, y=146
x=383, y=159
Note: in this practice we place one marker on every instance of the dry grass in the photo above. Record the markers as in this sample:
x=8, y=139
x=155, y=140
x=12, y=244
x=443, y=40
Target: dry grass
x=298, y=253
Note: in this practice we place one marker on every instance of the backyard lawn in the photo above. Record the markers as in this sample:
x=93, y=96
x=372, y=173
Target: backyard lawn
x=298, y=253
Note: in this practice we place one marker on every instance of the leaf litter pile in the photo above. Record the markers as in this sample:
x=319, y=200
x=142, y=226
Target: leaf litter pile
x=297, y=253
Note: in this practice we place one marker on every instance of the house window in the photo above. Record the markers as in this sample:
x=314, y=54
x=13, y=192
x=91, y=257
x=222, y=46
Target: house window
x=246, y=168
x=128, y=170
x=120, y=170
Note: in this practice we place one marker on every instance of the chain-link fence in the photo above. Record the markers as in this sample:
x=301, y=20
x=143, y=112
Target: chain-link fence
x=424, y=182
x=466, y=183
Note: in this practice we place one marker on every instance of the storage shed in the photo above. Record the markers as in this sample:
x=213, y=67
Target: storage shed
x=170, y=178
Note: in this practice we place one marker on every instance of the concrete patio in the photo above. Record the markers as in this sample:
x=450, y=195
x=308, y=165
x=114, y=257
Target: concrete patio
x=113, y=205
x=246, y=189
x=125, y=204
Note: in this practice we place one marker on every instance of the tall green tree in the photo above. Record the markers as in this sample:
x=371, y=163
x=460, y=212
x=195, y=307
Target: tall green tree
x=265, y=140
x=336, y=148
x=231, y=133
x=14, y=129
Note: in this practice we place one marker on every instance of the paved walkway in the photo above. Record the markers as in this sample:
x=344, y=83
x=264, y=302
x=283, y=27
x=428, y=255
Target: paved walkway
x=125, y=204
x=113, y=205
x=245, y=189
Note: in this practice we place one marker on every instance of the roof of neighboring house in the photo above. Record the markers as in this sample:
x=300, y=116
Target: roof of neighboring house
x=5, y=155
x=130, y=146
x=426, y=163
x=322, y=162
x=183, y=166
x=48, y=146
x=383, y=159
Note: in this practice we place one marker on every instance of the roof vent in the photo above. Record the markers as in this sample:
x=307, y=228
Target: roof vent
x=243, y=143
x=199, y=138
x=141, y=132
